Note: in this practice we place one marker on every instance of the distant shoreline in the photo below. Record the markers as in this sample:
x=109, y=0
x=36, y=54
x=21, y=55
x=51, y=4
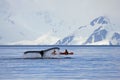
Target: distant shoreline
x=59, y=45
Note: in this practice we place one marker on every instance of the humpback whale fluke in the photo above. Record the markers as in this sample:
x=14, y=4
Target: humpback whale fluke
x=42, y=52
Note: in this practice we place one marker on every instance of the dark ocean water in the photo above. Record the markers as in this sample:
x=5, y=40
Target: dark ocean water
x=88, y=63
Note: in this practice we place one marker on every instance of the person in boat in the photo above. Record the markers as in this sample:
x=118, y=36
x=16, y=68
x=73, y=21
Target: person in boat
x=54, y=52
x=66, y=52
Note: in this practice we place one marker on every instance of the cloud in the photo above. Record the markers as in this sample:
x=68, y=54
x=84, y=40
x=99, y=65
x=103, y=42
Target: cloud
x=69, y=10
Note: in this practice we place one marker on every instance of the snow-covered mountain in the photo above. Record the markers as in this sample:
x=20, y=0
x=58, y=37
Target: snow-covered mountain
x=12, y=28
x=46, y=39
x=100, y=31
x=22, y=21
x=115, y=40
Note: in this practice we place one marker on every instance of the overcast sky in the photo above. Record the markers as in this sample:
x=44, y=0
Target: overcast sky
x=64, y=14
x=71, y=9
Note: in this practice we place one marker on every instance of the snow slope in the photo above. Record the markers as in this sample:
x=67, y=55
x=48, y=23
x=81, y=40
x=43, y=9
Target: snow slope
x=22, y=21
x=12, y=28
x=46, y=39
x=100, y=31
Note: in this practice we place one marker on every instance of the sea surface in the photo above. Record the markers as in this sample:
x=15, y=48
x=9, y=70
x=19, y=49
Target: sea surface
x=87, y=63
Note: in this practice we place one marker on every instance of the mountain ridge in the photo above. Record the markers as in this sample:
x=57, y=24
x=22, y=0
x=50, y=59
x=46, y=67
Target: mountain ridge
x=100, y=31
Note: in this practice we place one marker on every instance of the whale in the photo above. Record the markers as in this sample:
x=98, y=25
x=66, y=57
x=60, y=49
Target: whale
x=42, y=52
